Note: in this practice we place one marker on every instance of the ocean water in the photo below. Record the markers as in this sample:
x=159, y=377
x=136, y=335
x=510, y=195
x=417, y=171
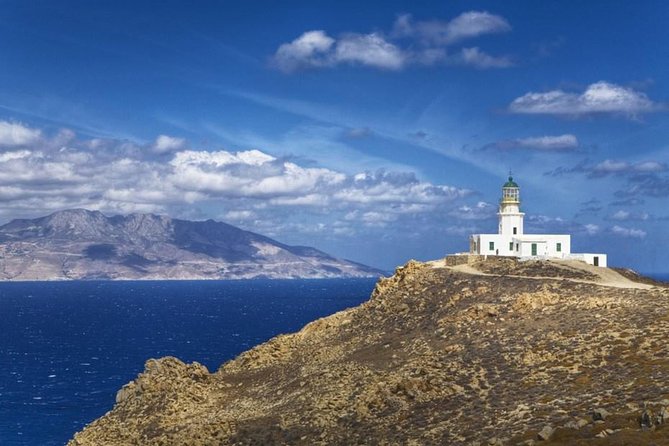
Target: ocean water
x=662, y=277
x=67, y=347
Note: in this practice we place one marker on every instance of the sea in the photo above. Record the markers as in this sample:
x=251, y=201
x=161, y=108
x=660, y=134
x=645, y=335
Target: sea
x=66, y=348
x=661, y=277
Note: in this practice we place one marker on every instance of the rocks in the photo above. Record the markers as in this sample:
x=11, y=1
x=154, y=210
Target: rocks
x=546, y=433
x=599, y=414
x=577, y=424
x=428, y=360
x=126, y=392
x=605, y=433
x=401, y=273
x=648, y=419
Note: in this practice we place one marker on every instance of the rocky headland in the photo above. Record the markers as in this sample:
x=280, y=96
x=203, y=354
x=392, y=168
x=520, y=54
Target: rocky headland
x=498, y=352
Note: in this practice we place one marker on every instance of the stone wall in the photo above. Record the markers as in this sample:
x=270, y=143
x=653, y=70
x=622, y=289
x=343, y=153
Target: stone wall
x=462, y=259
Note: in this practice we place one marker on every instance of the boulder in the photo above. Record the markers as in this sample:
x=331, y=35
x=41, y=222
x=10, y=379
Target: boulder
x=600, y=414
x=546, y=433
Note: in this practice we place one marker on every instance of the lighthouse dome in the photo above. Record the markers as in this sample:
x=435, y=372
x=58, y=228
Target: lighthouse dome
x=511, y=192
x=510, y=183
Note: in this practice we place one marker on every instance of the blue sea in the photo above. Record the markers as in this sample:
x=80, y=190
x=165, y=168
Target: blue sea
x=67, y=347
x=662, y=277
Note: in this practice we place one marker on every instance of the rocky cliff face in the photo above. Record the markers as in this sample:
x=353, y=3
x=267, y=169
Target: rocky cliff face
x=80, y=244
x=503, y=353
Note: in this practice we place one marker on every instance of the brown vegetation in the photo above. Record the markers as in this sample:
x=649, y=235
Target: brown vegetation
x=436, y=356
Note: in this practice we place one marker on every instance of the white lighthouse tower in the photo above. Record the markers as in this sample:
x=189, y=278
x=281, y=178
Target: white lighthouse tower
x=512, y=241
x=510, y=217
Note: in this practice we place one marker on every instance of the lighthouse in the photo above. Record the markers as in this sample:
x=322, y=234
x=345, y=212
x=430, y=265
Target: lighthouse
x=510, y=217
x=512, y=241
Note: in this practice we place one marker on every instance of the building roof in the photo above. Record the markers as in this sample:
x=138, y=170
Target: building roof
x=510, y=183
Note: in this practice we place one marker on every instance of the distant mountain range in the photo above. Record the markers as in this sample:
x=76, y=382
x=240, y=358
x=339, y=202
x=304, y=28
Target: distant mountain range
x=82, y=244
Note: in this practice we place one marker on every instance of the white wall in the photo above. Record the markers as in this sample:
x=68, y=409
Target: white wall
x=589, y=258
x=521, y=246
x=509, y=221
x=526, y=248
x=547, y=245
x=501, y=245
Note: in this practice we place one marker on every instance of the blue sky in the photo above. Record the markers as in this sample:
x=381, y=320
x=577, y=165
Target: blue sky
x=377, y=131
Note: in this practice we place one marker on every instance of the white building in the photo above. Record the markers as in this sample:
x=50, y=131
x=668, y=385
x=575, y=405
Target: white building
x=511, y=239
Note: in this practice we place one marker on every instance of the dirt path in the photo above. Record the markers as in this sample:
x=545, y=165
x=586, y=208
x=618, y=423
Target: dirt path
x=607, y=277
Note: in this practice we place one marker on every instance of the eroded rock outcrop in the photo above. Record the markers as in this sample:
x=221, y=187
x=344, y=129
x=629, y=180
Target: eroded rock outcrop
x=436, y=356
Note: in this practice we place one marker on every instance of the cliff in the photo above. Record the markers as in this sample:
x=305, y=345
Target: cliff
x=499, y=352
x=81, y=244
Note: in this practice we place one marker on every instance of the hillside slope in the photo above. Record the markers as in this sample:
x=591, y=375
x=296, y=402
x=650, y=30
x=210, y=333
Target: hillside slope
x=81, y=244
x=491, y=355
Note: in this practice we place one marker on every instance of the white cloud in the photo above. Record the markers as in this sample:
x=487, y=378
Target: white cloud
x=649, y=166
x=369, y=49
x=465, y=26
x=620, y=215
x=239, y=215
x=628, y=232
x=311, y=49
x=426, y=46
x=607, y=167
x=637, y=171
x=13, y=134
x=474, y=23
x=249, y=174
x=479, y=59
x=549, y=143
x=375, y=218
x=591, y=229
x=600, y=97
x=316, y=49
x=610, y=166
x=251, y=187
x=221, y=158
x=166, y=144
x=399, y=188
x=8, y=156
x=481, y=211
x=623, y=215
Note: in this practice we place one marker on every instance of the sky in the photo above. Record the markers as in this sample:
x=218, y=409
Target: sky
x=375, y=131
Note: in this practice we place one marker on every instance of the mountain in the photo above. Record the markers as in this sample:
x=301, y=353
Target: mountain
x=81, y=244
x=498, y=352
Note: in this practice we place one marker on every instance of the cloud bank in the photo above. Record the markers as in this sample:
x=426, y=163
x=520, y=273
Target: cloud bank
x=628, y=232
x=598, y=98
x=547, y=144
x=409, y=43
x=440, y=33
x=39, y=174
x=14, y=134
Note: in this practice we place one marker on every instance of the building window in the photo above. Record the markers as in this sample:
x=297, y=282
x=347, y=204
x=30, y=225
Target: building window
x=510, y=246
x=559, y=247
x=516, y=246
x=515, y=231
x=492, y=246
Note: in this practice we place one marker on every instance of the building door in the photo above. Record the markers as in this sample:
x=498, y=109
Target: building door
x=595, y=261
x=534, y=249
